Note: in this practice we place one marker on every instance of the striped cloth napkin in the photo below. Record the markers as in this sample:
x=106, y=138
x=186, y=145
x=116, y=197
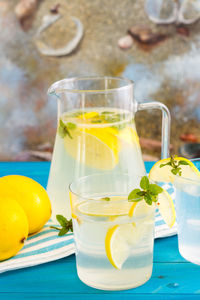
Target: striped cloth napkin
x=47, y=246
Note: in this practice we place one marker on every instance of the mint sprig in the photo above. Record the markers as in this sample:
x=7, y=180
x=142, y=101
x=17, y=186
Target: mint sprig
x=148, y=192
x=106, y=198
x=175, y=164
x=66, y=225
x=64, y=129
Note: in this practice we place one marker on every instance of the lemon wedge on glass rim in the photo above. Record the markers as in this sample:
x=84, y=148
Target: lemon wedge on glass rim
x=159, y=173
x=164, y=174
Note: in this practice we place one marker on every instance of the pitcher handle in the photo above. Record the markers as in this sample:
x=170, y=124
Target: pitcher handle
x=166, y=121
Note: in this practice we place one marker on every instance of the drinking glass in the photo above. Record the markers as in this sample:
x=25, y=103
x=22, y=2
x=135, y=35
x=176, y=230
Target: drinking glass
x=188, y=217
x=114, y=238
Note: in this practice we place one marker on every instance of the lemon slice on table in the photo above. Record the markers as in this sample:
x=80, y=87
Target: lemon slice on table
x=118, y=242
x=95, y=147
x=164, y=174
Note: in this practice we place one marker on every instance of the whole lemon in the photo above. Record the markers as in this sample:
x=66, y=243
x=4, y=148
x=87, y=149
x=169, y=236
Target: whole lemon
x=31, y=196
x=13, y=227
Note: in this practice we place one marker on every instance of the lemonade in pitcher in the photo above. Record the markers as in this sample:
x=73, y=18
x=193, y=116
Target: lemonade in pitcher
x=96, y=133
x=92, y=140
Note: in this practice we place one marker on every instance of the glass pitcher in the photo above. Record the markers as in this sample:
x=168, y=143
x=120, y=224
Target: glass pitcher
x=96, y=133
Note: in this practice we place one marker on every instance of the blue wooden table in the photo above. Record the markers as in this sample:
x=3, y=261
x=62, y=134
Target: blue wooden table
x=172, y=278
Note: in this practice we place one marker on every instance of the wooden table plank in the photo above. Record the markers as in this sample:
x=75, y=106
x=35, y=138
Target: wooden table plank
x=107, y=296
x=60, y=277
x=173, y=277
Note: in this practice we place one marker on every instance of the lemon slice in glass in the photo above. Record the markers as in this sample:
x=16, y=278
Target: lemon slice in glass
x=104, y=209
x=140, y=209
x=118, y=242
x=121, y=238
x=164, y=174
x=94, y=147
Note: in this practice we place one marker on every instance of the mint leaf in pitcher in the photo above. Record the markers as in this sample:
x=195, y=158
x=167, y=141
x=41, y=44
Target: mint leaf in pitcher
x=148, y=192
x=64, y=129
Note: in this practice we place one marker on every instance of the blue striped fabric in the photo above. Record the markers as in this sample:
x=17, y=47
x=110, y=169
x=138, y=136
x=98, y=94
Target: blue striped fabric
x=46, y=246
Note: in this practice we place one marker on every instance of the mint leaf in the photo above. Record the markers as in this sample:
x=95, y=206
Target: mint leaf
x=107, y=112
x=133, y=196
x=183, y=162
x=144, y=183
x=96, y=121
x=66, y=225
x=167, y=164
x=106, y=198
x=63, y=129
x=71, y=125
x=149, y=192
x=175, y=164
x=141, y=193
x=63, y=231
x=148, y=199
x=62, y=220
x=76, y=114
x=155, y=189
x=62, y=124
x=154, y=198
x=175, y=171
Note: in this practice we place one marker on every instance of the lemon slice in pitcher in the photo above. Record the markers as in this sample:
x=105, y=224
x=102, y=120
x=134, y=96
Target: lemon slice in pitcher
x=162, y=170
x=129, y=135
x=94, y=147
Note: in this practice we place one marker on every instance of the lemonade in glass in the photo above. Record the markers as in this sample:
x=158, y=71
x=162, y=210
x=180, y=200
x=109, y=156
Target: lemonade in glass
x=114, y=237
x=185, y=177
x=188, y=217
